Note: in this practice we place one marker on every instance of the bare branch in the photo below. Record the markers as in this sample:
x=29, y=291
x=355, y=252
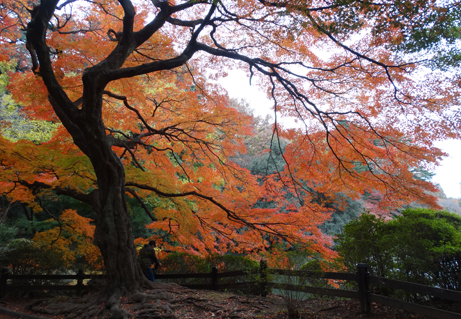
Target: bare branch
x=185, y=23
x=143, y=205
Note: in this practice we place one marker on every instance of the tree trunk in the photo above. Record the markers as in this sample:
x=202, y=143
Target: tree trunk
x=113, y=233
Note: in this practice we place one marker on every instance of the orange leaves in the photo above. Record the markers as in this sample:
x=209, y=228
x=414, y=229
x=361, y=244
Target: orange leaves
x=353, y=159
x=73, y=237
x=29, y=90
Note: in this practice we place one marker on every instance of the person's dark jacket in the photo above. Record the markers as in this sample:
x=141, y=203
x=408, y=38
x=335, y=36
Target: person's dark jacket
x=147, y=257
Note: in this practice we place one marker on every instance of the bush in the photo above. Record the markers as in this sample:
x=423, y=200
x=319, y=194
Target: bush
x=427, y=247
x=421, y=245
x=27, y=257
x=7, y=233
x=363, y=241
x=228, y=262
x=184, y=263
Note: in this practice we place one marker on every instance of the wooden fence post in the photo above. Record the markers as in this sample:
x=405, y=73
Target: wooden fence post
x=214, y=278
x=263, y=276
x=3, y=278
x=362, y=279
x=80, y=275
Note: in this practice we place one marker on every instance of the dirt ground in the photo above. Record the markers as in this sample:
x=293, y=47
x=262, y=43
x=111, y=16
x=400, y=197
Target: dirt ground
x=187, y=303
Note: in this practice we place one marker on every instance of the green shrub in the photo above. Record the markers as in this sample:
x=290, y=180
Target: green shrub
x=421, y=245
x=26, y=257
x=228, y=262
x=363, y=241
x=7, y=233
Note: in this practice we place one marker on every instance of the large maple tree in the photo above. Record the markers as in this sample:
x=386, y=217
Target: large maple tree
x=129, y=81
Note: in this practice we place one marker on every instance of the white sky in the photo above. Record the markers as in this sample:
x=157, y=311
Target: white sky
x=448, y=174
x=238, y=86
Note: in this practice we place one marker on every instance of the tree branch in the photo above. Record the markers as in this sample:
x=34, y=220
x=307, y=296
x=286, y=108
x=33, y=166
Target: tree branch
x=52, y=216
x=135, y=195
x=184, y=23
x=90, y=198
x=261, y=227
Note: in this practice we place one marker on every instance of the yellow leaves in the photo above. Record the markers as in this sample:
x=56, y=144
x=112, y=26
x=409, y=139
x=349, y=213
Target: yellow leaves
x=73, y=237
x=20, y=129
x=55, y=163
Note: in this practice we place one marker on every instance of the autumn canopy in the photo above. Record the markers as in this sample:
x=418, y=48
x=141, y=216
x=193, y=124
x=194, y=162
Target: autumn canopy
x=134, y=87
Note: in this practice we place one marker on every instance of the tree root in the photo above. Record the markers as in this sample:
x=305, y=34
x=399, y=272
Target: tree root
x=142, y=304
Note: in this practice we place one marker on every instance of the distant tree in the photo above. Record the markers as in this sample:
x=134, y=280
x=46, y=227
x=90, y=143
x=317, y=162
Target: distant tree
x=422, y=173
x=342, y=215
x=451, y=205
x=259, y=153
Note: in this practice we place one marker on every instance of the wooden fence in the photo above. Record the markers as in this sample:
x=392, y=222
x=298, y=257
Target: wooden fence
x=366, y=295
x=261, y=285
x=7, y=282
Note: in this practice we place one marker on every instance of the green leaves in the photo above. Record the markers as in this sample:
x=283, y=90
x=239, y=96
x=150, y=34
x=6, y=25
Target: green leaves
x=27, y=257
x=421, y=245
x=437, y=33
x=363, y=242
x=7, y=232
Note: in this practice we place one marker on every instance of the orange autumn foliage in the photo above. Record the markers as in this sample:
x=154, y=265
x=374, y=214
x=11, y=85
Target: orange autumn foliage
x=72, y=238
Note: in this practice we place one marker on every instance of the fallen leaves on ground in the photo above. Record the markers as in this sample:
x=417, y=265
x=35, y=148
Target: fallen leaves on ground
x=188, y=303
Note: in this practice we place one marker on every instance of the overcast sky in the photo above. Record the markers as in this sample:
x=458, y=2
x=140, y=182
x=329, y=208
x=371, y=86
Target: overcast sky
x=448, y=174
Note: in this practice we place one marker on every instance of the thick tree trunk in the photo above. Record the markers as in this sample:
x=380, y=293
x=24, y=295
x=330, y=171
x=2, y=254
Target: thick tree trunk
x=113, y=234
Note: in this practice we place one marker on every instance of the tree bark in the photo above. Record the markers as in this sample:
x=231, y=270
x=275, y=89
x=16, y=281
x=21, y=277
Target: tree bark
x=113, y=233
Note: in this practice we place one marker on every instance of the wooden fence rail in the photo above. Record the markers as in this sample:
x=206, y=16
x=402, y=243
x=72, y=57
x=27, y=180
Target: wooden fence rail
x=262, y=286
x=79, y=287
x=418, y=289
